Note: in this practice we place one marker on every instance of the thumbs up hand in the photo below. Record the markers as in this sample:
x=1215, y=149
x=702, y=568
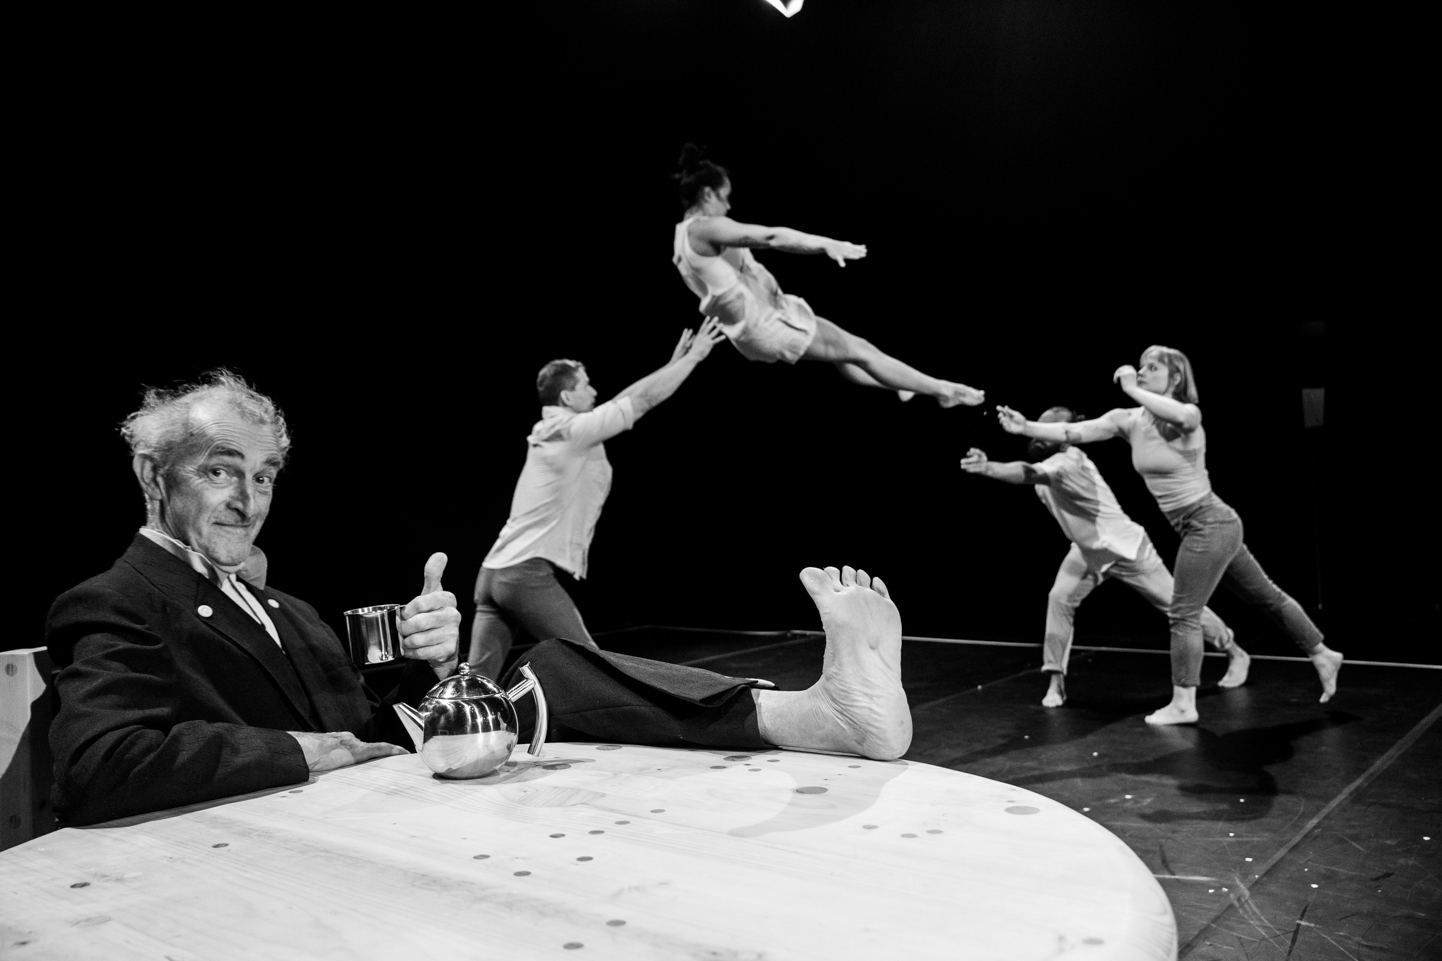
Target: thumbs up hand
x=430, y=624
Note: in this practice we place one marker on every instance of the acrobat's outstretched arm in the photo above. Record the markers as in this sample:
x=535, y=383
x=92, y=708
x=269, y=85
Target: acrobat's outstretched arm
x=1012, y=472
x=719, y=232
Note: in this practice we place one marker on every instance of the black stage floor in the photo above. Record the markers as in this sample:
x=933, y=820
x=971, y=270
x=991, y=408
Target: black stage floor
x=1278, y=826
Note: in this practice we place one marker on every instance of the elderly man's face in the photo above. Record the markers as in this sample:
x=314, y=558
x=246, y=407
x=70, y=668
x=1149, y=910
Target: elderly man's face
x=218, y=493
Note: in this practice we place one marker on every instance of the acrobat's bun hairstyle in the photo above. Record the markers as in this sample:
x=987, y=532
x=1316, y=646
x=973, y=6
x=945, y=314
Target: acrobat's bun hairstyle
x=696, y=174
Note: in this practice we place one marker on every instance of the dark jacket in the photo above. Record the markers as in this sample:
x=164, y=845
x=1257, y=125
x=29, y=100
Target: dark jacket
x=161, y=705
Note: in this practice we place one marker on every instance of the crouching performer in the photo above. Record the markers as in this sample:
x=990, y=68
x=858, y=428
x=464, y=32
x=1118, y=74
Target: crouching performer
x=184, y=677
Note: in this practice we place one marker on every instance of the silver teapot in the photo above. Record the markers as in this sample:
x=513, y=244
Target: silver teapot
x=466, y=726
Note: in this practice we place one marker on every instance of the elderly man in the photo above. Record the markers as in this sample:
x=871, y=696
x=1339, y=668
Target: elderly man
x=558, y=501
x=1106, y=544
x=185, y=677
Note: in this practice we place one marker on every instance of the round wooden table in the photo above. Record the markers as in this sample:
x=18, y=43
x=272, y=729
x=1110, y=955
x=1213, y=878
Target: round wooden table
x=596, y=851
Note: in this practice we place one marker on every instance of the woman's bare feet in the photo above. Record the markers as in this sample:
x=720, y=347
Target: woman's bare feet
x=1328, y=663
x=1056, y=691
x=954, y=394
x=858, y=706
x=1182, y=710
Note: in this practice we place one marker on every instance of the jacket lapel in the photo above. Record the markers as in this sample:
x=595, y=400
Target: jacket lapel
x=174, y=578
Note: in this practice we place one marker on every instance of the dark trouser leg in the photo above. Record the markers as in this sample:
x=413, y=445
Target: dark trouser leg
x=491, y=634
x=526, y=595
x=1246, y=579
x=1211, y=537
x=598, y=696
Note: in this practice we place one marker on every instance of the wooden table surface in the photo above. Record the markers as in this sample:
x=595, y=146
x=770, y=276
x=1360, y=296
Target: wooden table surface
x=596, y=851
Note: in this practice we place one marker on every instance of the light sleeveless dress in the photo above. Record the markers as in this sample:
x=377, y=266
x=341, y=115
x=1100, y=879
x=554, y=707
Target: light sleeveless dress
x=761, y=322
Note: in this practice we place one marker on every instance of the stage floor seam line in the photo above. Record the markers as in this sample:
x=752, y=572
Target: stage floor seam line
x=745, y=650
x=801, y=635
x=970, y=690
x=1362, y=780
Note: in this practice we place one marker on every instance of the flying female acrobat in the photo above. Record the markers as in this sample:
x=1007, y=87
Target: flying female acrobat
x=713, y=254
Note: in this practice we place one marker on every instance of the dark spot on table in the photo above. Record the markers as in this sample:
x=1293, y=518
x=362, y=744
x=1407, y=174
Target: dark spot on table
x=597, y=831
x=521, y=874
x=1093, y=941
x=811, y=789
x=558, y=835
x=908, y=835
x=558, y=766
x=585, y=857
x=870, y=827
x=718, y=767
x=609, y=747
x=933, y=831
x=572, y=945
x=615, y=923
x=853, y=765
x=222, y=844
x=623, y=822
x=81, y=884
x=1022, y=809
x=479, y=857
x=773, y=760
x=658, y=810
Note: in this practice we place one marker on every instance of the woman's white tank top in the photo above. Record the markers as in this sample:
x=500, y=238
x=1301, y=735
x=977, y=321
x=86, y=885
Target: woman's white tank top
x=709, y=277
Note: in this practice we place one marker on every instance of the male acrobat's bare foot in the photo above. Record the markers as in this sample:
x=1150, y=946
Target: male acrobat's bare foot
x=954, y=394
x=1238, y=663
x=858, y=706
x=1055, y=692
x=1328, y=663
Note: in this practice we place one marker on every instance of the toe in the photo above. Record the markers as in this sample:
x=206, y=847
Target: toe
x=862, y=578
x=848, y=576
x=835, y=576
x=817, y=581
x=879, y=586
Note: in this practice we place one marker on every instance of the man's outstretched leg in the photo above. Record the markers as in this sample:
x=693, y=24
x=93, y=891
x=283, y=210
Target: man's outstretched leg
x=858, y=706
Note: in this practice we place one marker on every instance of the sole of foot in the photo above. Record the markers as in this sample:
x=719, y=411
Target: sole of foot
x=858, y=706
x=1328, y=665
x=1238, y=663
x=961, y=395
x=1172, y=714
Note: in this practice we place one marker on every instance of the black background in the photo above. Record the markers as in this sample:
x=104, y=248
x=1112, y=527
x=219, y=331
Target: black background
x=389, y=226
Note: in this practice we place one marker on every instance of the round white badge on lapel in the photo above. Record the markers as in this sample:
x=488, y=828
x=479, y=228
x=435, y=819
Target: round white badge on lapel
x=273, y=602
x=204, y=610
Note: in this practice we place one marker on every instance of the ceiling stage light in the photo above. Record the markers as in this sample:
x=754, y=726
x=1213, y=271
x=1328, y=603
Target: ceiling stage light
x=788, y=7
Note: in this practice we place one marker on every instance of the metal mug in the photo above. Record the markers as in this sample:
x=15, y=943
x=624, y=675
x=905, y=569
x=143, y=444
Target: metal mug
x=374, y=632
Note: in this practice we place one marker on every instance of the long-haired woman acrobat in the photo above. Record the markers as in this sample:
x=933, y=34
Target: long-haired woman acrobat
x=1169, y=448
x=713, y=254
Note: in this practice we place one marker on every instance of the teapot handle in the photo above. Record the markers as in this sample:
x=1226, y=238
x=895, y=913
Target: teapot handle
x=533, y=686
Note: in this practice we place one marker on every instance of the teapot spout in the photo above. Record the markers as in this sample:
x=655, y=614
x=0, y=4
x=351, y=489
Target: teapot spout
x=415, y=724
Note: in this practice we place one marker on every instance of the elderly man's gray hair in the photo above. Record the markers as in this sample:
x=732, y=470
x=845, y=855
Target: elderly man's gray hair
x=162, y=425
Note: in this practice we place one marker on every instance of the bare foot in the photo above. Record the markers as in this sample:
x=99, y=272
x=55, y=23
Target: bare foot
x=858, y=706
x=1182, y=710
x=1328, y=663
x=1172, y=714
x=1238, y=663
x=1055, y=692
x=954, y=394
x=905, y=395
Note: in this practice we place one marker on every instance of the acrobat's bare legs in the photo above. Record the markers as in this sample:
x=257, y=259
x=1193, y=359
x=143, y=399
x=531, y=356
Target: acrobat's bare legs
x=1056, y=690
x=858, y=375
x=1182, y=710
x=836, y=346
x=858, y=706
